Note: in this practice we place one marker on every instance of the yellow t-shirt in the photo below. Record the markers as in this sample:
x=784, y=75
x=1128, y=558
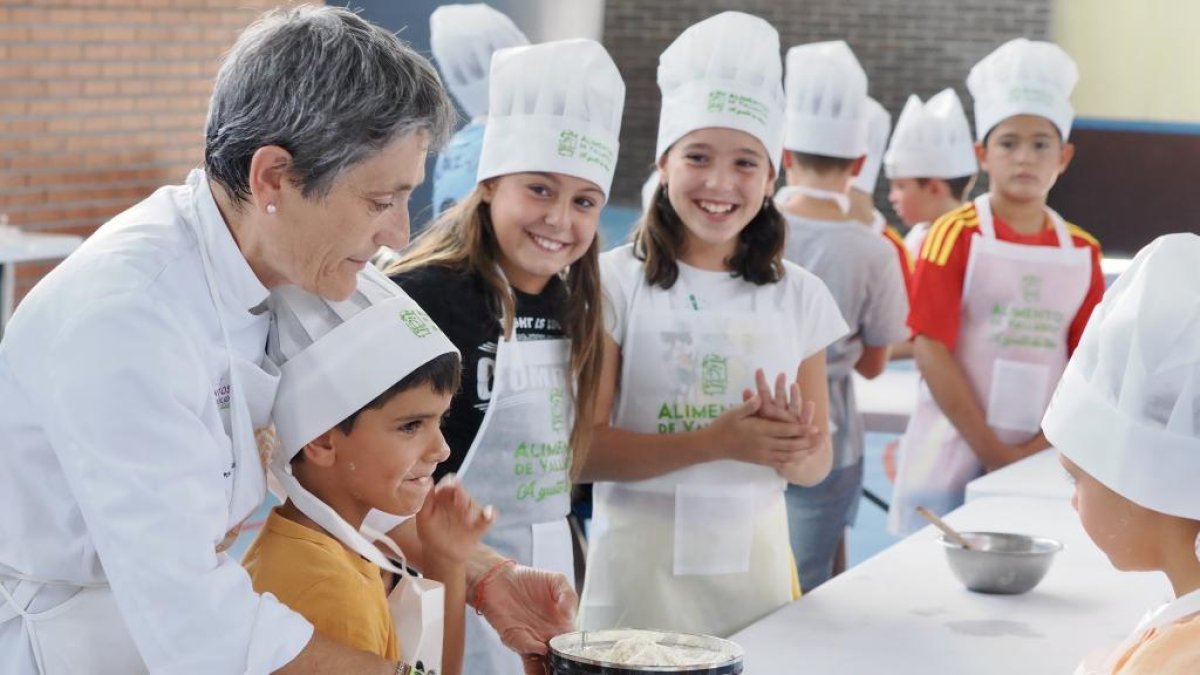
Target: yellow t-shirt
x=1170, y=650
x=331, y=586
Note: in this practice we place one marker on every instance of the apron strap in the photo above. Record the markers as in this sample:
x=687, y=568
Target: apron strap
x=983, y=210
x=1060, y=230
x=987, y=223
x=324, y=515
x=841, y=199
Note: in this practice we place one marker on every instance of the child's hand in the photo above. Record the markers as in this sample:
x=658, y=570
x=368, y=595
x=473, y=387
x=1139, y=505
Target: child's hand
x=785, y=404
x=450, y=523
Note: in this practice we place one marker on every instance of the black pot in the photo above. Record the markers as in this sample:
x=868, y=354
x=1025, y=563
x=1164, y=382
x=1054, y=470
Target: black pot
x=566, y=658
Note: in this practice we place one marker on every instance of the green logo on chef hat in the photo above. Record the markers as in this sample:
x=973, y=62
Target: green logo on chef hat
x=716, y=101
x=419, y=322
x=1030, y=94
x=714, y=375
x=568, y=141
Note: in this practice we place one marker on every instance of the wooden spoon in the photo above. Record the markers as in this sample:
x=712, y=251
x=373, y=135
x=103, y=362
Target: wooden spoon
x=941, y=525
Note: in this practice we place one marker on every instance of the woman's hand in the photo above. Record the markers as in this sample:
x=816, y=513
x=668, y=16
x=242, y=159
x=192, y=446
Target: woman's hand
x=527, y=607
x=450, y=523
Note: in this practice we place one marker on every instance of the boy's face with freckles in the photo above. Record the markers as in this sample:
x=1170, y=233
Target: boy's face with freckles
x=1023, y=157
x=387, y=459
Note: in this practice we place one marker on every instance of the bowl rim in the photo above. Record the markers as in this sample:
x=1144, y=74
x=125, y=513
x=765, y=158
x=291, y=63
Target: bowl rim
x=737, y=652
x=1054, y=544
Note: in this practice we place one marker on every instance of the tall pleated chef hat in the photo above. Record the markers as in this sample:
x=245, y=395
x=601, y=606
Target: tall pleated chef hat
x=463, y=39
x=1127, y=409
x=879, y=125
x=334, y=357
x=932, y=140
x=826, y=101
x=723, y=72
x=555, y=107
x=1023, y=77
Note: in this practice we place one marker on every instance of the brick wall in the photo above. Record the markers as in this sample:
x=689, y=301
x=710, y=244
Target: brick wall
x=916, y=46
x=102, y=102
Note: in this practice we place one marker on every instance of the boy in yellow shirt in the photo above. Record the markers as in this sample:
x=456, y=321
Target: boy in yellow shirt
x=364, y=384
x=1126, y=418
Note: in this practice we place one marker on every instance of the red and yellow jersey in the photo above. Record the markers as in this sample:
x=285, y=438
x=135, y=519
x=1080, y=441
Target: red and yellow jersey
x=936, y=300
x=906, y=262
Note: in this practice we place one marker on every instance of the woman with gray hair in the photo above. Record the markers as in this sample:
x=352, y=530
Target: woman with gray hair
x=133, y=383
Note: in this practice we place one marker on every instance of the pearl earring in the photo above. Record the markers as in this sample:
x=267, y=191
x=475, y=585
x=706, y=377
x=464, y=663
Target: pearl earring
x=271, y=209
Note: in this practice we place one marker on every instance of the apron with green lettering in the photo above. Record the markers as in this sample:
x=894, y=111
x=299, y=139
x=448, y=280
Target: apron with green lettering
x=703, y=549
x=518, y=463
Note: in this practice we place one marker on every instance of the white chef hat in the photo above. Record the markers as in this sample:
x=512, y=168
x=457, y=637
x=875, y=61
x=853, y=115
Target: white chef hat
x=1023, y=77
x=1127, y=409
x=555, y=107
x=826, y=101
x=932, y=140
x=723, y=72
x=462, y=39
x=879, y=125
x=335, y=357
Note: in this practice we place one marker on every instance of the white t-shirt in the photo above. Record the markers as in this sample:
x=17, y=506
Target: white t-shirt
x=818, y=321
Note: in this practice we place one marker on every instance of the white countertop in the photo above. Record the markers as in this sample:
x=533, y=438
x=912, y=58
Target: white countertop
x=902, y=612
x=887, y=401
x=1039, y=476
x=28, y=246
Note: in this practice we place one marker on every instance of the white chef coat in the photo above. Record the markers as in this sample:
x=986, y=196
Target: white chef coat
x=117, y=466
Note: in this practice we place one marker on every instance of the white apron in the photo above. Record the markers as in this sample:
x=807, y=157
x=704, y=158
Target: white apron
x=1018, y=303
x=518, y=463
x=1181, y=608
x=68, y=625
x=704, y=549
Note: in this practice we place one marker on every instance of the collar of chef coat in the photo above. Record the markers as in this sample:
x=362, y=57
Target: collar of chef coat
x=240, y=289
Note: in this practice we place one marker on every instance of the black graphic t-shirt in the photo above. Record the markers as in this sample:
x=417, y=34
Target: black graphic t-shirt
x=459, y=303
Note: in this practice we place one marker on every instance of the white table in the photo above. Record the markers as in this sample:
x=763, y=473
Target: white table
x=887, y=401
x=1040, y=476
x=27, y=247
x=902, y=612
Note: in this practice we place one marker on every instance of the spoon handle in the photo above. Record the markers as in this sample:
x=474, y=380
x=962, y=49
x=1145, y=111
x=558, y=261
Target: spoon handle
x=941, y=525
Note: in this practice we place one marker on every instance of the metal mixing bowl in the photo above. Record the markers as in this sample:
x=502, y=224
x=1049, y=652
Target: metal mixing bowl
x=572, y=653
x=999, y=562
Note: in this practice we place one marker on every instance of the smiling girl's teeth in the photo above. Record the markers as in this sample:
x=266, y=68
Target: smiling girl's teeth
x=714, y=207
x=548, y=244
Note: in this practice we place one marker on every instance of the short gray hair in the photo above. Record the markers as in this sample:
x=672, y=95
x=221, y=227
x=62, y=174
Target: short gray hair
x=327, y=86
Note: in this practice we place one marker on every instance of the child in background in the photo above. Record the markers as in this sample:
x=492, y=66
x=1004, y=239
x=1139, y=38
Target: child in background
x=690, y=531
x=1003, y=289
x=512, y=275
x=930, y=163
x=363, y=386
x=827, y=125
x=862, y=188
x=463, y=39
x=1126, y=418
